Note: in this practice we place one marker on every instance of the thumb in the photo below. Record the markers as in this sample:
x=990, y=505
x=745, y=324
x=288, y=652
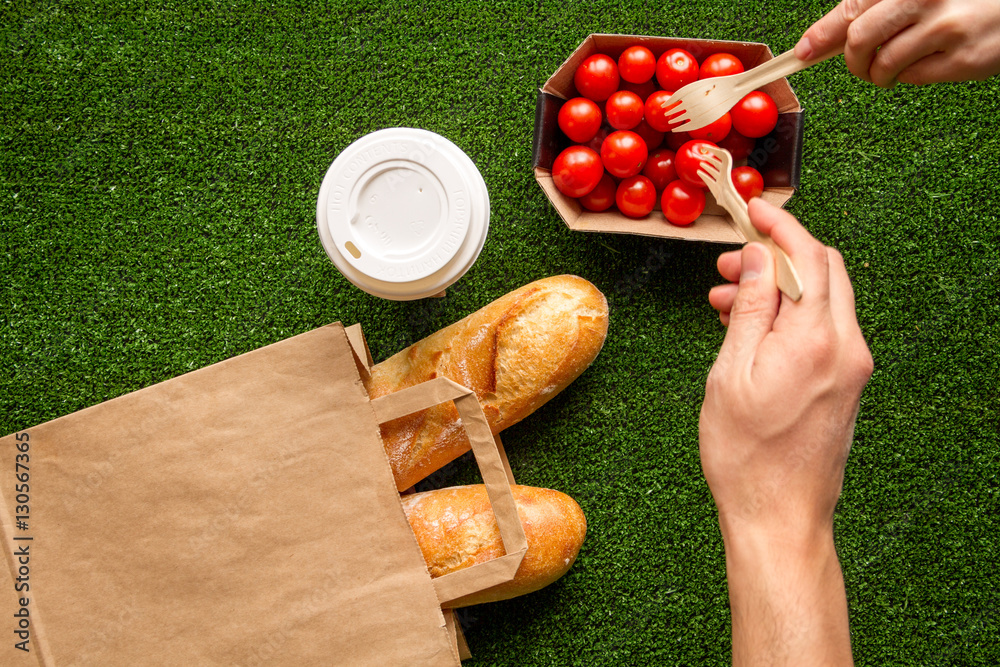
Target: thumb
x=756, y=304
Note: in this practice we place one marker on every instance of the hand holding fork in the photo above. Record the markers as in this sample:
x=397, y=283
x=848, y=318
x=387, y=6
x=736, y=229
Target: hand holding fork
x=717, y=173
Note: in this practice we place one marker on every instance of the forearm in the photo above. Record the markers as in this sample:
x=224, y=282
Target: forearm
x=787, y=597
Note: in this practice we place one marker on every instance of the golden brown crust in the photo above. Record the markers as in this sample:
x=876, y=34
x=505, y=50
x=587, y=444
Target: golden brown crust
x=515, y=353
x=455, y=529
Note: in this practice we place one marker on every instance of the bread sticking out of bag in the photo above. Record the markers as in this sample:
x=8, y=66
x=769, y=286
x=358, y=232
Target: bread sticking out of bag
x=456, y=529
x=515, y=354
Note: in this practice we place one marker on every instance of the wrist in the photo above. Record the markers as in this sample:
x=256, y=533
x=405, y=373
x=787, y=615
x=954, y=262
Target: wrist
x=780, y=552
x=786, y=593
x=789, y=538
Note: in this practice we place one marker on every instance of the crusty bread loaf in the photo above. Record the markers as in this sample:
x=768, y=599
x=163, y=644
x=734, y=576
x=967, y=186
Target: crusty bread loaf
x=516, y=354
x=456, y=529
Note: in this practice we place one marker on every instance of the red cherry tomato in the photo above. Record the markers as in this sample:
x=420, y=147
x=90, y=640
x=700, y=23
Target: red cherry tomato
x=643, y=90
x=577, y=171
x=602, y=197
x=660, y=168
x=688, y=160
x=677, y=139
x=598, y=140
x=715, y=131
x=676, y=68
x=637, y=64
x=648, y=134
x=579, y=119
x=658, y=113
x=636, y=196
x=623, y=153
x=624, y=110
x=682, y=203
x=597, y=77
x=738, y=146
x=720, y=64
x=748, y=181
x=755, y=115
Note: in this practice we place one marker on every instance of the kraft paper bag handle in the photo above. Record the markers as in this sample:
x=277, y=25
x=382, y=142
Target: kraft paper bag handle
x=479, y=577
x=359, y=348
x=503, y=459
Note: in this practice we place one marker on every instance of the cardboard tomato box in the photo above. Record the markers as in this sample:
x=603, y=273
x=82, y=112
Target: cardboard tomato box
x=777, y=156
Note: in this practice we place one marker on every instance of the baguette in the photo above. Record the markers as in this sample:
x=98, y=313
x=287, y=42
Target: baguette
x=515, y=354
x=455, y=529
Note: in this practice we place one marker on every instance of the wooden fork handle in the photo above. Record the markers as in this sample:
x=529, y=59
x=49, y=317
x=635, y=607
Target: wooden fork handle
x=780, y=66
x=787, y=278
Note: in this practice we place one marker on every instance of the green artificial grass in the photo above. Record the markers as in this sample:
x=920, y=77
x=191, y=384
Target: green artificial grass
x=158, y=179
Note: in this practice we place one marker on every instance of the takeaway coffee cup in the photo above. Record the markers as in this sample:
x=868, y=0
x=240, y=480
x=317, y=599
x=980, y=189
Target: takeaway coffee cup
x=403, y=213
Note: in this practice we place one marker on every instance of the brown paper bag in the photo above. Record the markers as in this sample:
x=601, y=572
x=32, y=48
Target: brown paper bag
x=241, y=514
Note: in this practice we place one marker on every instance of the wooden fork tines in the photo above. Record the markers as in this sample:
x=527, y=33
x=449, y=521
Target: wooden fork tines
x=702, y=102
x=717, y=173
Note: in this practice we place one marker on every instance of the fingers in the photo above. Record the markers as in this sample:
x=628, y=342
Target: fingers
x=845, y=321
x=729, y=265
x=935, y=68
x=807, y=254
x=755, y=305
x=841, y=292
x=875, y=27
x=958, y=40
x=810, y=257
x=906, y=48
x=830, y=31
x=722, y=297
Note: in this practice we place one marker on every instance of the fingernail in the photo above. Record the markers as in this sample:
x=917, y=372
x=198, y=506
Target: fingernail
x=752, y=263
x=804, y=49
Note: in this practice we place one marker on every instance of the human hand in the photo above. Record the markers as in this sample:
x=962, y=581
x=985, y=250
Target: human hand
x=912, y=41
x=775, y=431
x=782, y=397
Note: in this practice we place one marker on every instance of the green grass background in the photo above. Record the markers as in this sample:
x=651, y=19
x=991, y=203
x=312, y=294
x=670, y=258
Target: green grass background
x=158, y=179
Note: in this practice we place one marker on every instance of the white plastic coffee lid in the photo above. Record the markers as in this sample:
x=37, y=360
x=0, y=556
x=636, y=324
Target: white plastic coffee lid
x=403, y=213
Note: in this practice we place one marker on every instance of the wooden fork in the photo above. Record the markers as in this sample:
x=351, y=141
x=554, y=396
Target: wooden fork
x=705, y=101
x=717, y=173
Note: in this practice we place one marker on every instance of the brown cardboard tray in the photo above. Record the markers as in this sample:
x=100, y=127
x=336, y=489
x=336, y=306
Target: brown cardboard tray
x=777, y=156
